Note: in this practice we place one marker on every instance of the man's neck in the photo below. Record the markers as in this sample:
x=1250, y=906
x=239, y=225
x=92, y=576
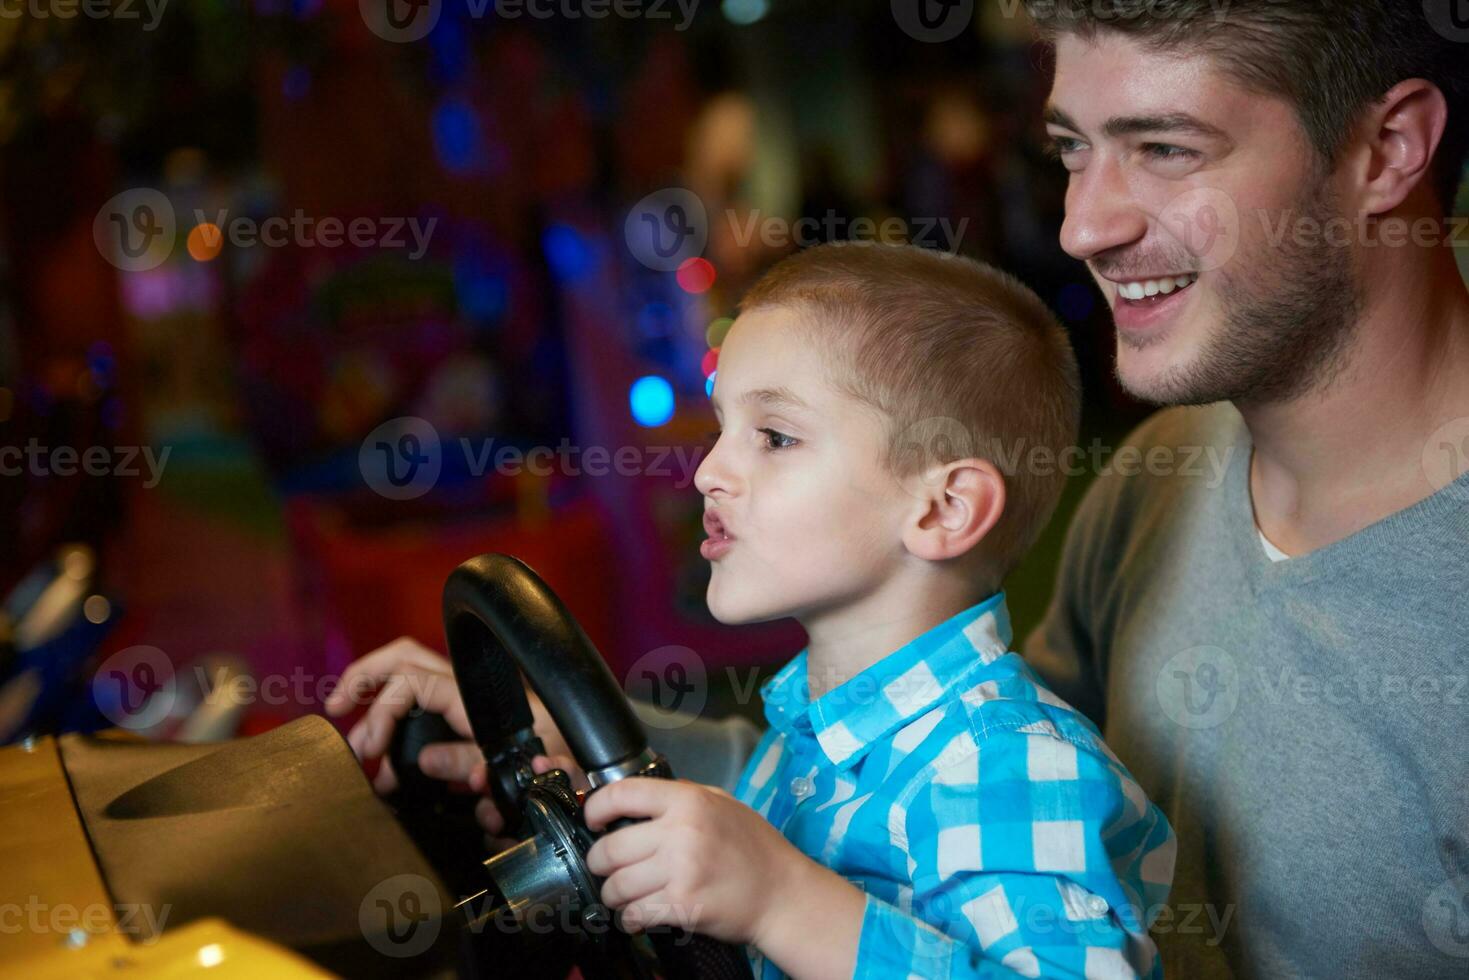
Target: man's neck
x=1338, y=460
x=844, y=641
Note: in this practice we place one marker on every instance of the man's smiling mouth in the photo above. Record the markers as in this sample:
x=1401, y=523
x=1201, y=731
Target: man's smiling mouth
x=1145, y=291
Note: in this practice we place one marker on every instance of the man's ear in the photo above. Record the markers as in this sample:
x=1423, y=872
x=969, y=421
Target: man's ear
x=959, y=503
x=1401, y=134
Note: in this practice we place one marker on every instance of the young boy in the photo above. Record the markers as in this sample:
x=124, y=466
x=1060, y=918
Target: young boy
x=921, y=804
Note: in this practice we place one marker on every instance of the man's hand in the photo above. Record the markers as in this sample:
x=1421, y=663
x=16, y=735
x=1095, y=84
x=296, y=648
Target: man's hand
x=702, y=861
x=406, y=673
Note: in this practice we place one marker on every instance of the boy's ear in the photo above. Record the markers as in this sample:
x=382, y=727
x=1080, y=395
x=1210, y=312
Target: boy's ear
x=959, y=503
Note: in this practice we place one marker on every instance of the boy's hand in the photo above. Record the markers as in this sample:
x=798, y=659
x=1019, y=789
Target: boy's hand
x=703, y=861
x=406, y=673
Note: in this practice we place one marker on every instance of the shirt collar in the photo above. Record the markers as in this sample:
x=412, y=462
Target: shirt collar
x=849, y=719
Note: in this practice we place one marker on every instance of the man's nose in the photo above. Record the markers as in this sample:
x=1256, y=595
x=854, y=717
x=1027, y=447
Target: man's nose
x=1101, y=212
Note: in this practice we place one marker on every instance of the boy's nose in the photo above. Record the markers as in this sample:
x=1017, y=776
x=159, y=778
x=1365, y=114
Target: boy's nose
x=713, y=475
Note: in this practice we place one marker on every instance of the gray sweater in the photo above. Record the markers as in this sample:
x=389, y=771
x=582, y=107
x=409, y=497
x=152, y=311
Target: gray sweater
x=1304, y=724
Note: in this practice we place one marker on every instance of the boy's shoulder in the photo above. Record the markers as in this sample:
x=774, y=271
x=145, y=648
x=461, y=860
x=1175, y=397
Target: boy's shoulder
x=1008, y=727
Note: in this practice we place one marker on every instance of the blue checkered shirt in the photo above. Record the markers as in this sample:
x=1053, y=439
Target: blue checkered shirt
x=992, y=830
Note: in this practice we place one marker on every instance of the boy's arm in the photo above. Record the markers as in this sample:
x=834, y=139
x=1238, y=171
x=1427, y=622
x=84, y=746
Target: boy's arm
x=1057, y=880
x=813, y=928
x=823, y=927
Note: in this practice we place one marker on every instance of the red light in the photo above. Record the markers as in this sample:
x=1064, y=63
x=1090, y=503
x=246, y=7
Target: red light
x=710, y=362
x=696, y=275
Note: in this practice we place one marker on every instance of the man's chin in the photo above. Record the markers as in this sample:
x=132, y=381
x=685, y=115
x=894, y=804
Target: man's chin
x=1157, y=372
x=1144, y=374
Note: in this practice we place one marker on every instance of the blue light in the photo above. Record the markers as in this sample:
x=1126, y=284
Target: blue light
x=709, y=385
x=480, y=287
x=567, y=252
x=745, y=11
x=458, y=140
x=651, y=398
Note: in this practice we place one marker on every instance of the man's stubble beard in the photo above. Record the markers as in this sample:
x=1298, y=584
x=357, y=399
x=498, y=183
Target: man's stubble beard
x=1290, y=313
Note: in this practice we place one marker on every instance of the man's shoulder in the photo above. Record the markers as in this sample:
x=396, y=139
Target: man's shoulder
x=1175, y=450
x=1176, y=454
x=1179, y=426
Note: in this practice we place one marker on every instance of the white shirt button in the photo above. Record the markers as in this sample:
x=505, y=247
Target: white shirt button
x=1097, y=905
x=801, y=787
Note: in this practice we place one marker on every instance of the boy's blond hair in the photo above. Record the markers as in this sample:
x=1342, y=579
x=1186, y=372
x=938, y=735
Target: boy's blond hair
x=964, y=361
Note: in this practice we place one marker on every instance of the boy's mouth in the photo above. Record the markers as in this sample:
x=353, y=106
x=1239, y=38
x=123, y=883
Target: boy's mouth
x=714, y=526
x=719, y=540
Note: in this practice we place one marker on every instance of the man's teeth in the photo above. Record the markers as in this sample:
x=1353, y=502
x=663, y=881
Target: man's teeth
x=1152, y=287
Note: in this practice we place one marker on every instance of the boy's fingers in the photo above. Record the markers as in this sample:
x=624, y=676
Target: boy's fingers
x=631, y=798
x=632, y=883
x=386, y=780
x=450, y=760
x=356, y=737
x=479, y=777
x=623, y=847
x=370, y=671
x=400, y=695
x=657, y=910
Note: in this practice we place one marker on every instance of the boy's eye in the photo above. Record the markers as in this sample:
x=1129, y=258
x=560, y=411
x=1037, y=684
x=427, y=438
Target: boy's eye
x=776, y=439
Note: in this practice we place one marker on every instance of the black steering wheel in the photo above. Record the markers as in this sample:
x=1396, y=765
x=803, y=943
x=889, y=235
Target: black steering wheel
x=502, y=622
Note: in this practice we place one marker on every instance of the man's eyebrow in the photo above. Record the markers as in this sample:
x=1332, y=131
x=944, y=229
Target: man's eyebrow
x=1055, y=117
x=1166, y=122
x=778, y=397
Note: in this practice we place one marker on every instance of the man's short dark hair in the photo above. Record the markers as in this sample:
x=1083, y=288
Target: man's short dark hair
x=1331, y=58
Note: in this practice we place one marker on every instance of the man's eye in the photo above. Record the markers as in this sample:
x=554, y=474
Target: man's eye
x=1058, y=147
x=1167, y=151
x=777, y=440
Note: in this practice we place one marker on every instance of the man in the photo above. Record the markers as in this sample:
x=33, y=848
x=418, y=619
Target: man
x=1259, y=188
